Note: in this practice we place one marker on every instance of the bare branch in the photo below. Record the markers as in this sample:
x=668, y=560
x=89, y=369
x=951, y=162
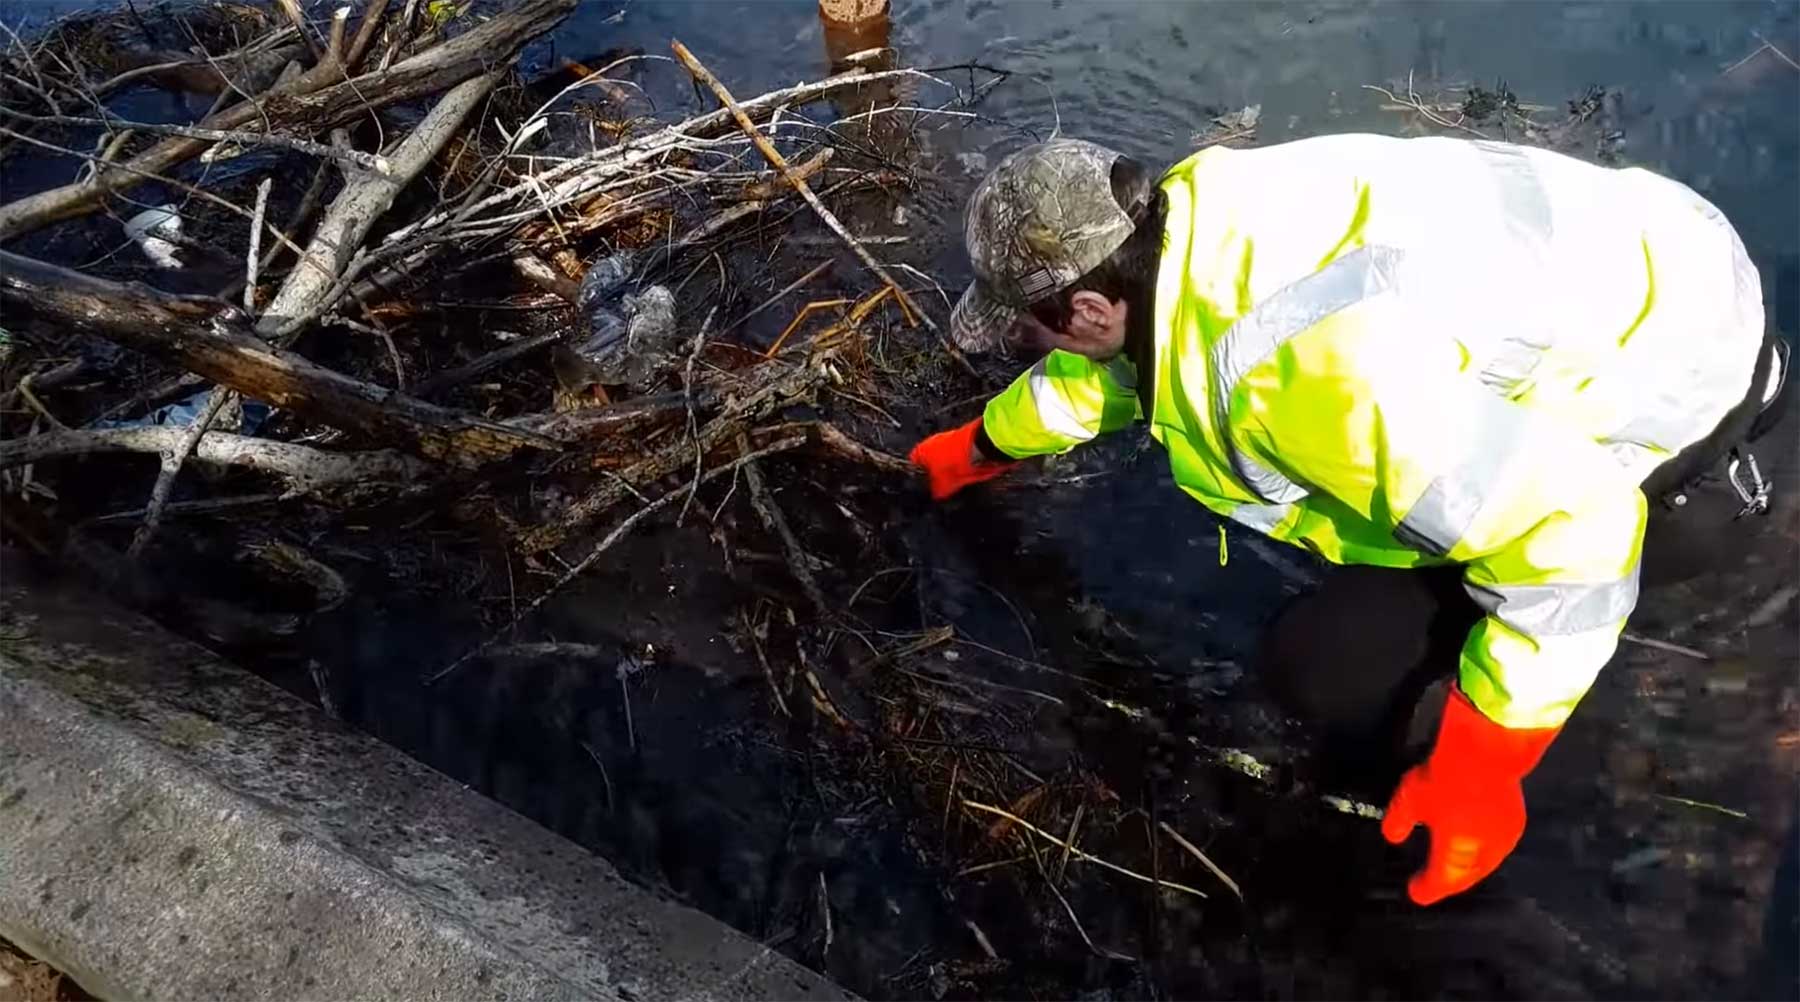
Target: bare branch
x=172, y=461
x=367, y=161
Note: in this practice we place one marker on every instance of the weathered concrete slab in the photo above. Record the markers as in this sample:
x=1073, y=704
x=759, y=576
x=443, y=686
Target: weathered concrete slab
x=173, y=827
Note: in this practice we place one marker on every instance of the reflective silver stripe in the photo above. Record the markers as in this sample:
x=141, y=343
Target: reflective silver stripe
x=1261, y=517
x=1052, y=410
x=1442, y=515
x=1559, y=610
x=1358, y=275
x=1522, y=195
x=1265, y=483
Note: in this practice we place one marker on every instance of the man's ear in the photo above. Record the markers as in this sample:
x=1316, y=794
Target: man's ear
x=1092, y=308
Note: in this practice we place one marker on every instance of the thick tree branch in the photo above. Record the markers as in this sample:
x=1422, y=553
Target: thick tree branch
x=303, y=468
x=209, y=337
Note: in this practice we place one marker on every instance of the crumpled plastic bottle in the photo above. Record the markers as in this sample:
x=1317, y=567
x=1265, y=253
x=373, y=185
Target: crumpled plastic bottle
x=155, y=231
x=630, y=334
x=602, y=288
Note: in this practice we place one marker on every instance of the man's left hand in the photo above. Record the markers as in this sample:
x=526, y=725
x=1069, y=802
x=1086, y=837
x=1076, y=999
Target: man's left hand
x=1468, y=794
x=952, y=461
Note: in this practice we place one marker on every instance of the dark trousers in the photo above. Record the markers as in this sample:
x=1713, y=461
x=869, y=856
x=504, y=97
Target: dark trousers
x=1365, y=657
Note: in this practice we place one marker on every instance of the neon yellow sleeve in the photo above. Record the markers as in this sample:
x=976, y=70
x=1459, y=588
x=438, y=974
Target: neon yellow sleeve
x=1061, y=402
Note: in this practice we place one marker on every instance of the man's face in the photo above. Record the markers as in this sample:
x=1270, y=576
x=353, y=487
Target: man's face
x=1096, y=329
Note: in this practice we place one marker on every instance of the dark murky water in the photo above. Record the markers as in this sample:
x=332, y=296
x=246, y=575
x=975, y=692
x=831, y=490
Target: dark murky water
x=1094, y=566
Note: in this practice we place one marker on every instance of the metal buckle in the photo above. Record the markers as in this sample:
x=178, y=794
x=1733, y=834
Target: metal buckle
x=1756, y=495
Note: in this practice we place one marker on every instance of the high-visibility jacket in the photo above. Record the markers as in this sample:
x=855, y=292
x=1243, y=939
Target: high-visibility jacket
x=1427, y=351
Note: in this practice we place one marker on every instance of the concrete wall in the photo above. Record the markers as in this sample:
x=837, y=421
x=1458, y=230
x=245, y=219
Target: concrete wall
x=174, y=827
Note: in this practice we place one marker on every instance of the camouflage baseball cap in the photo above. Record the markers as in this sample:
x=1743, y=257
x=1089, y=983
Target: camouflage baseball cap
x=1042, y=219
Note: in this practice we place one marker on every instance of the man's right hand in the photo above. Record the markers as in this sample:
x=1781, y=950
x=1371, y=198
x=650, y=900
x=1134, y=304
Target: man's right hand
x=952, y=460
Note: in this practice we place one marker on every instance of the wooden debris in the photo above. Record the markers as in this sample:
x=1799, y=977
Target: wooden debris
x=1080, y=854
x=772, y=518
x=1194, y=851
x=317, y=99
x=303, y=468
x=210, y=338
x=799, y=184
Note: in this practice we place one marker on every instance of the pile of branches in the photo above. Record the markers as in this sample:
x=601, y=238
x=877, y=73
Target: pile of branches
x=433, y=164
x=422, y=163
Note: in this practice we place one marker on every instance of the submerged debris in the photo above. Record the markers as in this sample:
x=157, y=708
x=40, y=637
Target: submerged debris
x=1589, y=129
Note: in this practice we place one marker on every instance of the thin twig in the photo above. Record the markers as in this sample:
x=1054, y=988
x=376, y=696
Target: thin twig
x=1419, y=106
x=451, y=378
x=181, y=385
x=250, y=256
x=993, y=865
x=321, y=680
x=625, y=699
x=46, y=379
x=612, y=538
x=1099, y=950
x=172, y=462
x=266, y=43
x=1759, y=50
x=367, y=161
x=776, y=522
x=1062, y=864
x=1080, y=854
x=38, y=405
x=309, y=201
x=204, y=506
x=1766, y=46
x=687, y=403
x=1664, y=645
x=762, y=657
x=811, y=274
x=604, y=778
x=30, y=60
x=1784, y=57
x=981, y=939
x=1194, y=851
x=1703, y=805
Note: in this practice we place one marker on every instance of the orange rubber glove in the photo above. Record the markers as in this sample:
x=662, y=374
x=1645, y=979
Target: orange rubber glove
x=1467, y=792
x=951, y=461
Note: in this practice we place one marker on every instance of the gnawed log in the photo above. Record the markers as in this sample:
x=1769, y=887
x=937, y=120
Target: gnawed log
x=210, y=337
x=313, y=102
